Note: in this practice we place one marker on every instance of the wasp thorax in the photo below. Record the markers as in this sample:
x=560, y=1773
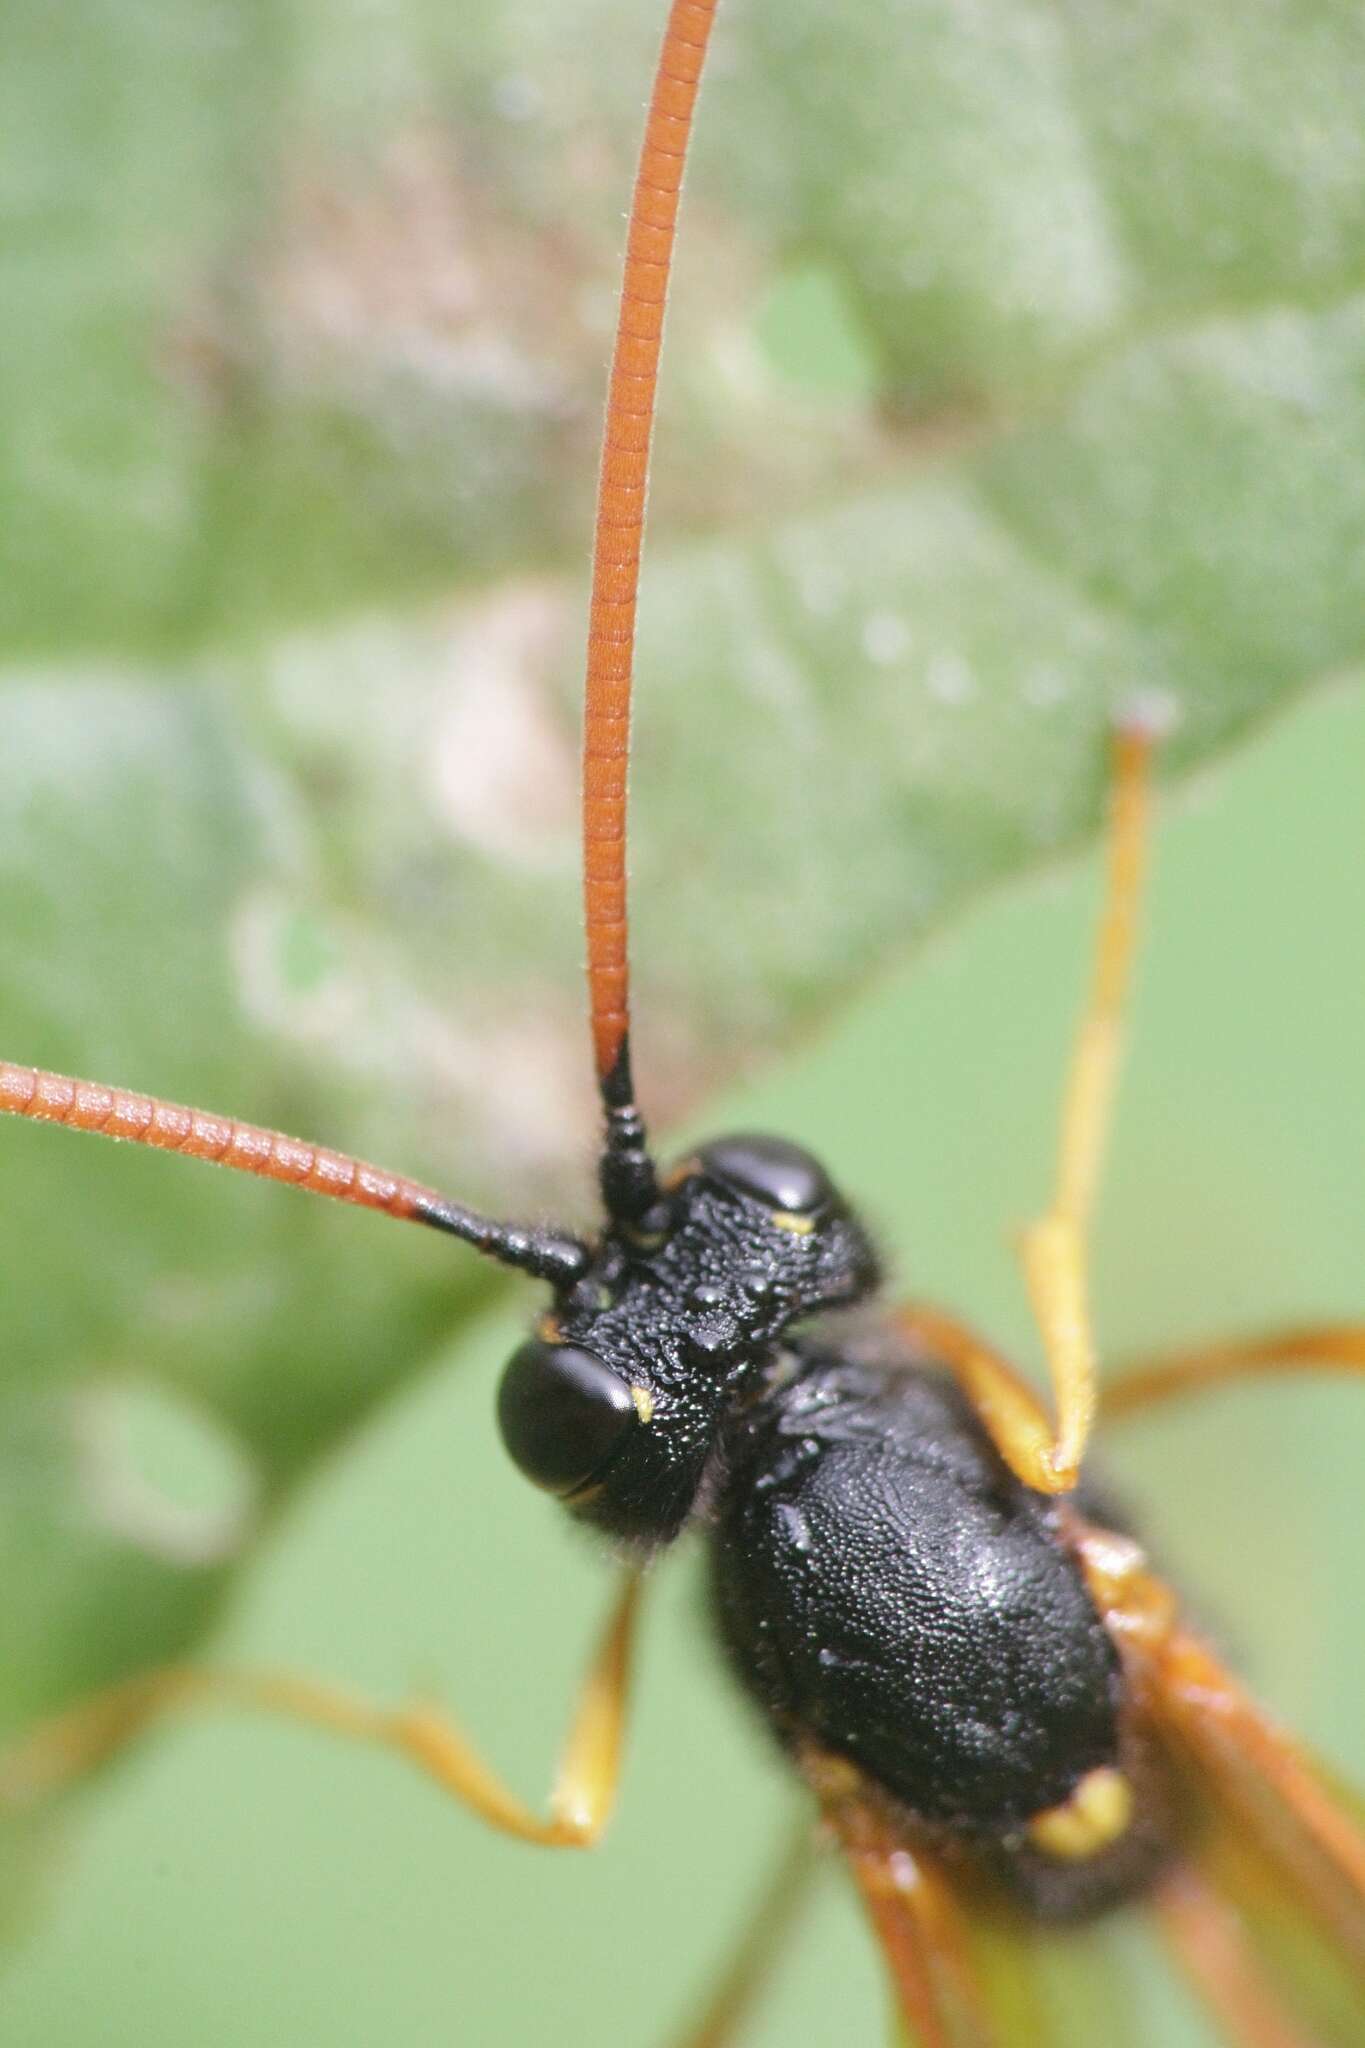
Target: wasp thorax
x=616, y=1403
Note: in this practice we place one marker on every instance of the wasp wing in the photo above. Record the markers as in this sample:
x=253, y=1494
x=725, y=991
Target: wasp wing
x=956, y=1982
x=968, y=1968
x=1272, y=1906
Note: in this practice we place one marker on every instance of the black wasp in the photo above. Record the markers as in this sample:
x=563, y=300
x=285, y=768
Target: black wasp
x=1000, y=1710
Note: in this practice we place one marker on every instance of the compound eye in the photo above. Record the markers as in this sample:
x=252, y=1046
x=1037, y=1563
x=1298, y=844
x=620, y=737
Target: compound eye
x=779, y=1175
x=562, y=1413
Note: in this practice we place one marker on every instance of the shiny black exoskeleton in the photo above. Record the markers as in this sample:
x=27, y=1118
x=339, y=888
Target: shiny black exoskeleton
x=619, y=1402
x=889, y=1591
x=885, y=1589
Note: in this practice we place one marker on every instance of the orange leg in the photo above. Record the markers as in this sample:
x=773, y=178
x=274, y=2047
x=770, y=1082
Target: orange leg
x=1245, y=1759
x=750, y=1966
x=1211, y=1946
x=943, y=1995
x=1237, y=1740
x=1147, y=1382
x=1054, y=1247
x=921, y=1943
x=64, y=1749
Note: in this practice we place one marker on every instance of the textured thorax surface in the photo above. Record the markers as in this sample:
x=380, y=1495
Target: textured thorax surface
x=889, y=1592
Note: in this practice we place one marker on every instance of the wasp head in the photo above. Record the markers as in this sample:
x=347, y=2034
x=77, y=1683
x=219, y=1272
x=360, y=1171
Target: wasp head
x=615, y=1403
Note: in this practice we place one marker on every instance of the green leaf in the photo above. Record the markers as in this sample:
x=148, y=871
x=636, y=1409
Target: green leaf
x=1016, y=366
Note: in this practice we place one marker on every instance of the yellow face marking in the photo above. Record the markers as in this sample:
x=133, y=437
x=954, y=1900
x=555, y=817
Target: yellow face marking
x=676, y=1175
x=1097, y=1813
x=644, y=1403
x=547, y=1329
x=787, y=1219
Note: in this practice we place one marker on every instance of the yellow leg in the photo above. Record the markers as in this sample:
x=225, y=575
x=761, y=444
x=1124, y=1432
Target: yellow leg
x=1054, y=1248
x=64, y=1749
x=1010, y=1412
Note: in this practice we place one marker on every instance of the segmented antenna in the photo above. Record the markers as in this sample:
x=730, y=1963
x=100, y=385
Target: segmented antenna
x=627, y=1171
x=170, y=1127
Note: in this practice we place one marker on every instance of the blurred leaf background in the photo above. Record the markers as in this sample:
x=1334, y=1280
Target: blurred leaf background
x=1017, y=362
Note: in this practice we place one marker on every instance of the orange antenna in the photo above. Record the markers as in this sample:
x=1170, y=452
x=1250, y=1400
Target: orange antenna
x=628, y=1181
x=627, y=1171
x=144, y=1120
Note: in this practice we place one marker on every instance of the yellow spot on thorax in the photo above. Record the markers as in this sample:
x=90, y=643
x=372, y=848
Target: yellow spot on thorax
x=1097, y=1813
